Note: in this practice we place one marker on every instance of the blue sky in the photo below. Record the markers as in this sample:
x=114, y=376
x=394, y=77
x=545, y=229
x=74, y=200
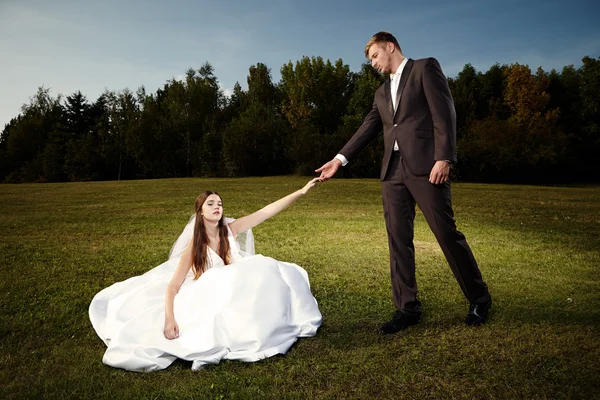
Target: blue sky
x=90, y=45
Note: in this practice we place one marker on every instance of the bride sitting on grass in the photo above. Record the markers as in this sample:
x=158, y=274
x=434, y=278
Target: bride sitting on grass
x=212, y=300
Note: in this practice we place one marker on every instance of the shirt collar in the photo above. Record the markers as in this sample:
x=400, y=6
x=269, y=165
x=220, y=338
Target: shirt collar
x=398, y=72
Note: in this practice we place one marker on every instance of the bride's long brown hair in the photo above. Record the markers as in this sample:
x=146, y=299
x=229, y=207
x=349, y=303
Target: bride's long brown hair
x=200, y=241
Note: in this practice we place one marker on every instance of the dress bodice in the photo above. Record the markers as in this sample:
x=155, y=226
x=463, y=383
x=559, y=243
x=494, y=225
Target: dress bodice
x=234, y=249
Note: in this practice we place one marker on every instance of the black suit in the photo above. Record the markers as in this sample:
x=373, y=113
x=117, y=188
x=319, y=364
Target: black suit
x=424, y=126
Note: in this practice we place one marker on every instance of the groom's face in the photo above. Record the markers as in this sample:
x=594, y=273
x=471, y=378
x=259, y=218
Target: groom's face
x=380, y=55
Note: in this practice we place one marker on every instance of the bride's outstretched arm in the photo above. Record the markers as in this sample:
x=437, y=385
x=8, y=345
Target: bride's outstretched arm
x=171, y=330
x=250, y=221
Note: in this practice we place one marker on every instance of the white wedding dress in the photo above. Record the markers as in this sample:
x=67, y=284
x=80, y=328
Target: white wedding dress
x=251, y=309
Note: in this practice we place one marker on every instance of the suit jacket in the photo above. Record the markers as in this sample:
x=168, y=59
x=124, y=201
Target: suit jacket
x=424, y=123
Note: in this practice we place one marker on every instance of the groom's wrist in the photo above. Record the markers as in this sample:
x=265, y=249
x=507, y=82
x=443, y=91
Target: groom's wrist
x=342, y=159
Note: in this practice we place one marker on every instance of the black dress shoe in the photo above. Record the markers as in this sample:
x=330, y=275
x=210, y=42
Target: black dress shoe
x=399, y=322
x=478, y=313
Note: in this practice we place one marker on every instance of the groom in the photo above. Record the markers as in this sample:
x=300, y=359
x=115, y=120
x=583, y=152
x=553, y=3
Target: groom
x=416, y=112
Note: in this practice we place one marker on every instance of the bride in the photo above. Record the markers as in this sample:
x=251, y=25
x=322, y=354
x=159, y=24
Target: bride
x=213, y=300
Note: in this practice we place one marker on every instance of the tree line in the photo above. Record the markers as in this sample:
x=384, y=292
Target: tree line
x=513, y=125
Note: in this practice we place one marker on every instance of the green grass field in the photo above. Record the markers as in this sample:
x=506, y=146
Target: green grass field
x=538, y=249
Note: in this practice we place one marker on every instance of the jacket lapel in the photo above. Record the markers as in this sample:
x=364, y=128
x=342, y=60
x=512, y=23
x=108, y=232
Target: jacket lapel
x=388, y=97
x=403, y=80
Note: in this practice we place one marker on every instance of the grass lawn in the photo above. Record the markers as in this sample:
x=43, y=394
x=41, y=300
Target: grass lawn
x=538, y=248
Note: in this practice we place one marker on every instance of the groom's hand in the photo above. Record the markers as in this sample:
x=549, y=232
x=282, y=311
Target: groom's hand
x=329, y=169
x=440, y=172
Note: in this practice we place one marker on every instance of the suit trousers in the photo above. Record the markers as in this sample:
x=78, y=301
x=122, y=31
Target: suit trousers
x=400, y=192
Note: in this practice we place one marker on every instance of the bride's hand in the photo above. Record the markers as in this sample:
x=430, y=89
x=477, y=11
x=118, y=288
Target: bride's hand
x=309, y=185
x=171, y=330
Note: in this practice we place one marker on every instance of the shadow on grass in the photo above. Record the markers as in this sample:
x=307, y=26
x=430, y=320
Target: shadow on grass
x=355, y=328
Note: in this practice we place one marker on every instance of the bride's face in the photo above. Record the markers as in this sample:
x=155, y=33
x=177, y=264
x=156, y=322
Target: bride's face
x=212, y=209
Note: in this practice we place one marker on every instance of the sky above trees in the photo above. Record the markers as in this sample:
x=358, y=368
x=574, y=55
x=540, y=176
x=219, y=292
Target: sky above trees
x=68, y=45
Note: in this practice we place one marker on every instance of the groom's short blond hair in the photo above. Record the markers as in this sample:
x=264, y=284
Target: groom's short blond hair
x=381, y=37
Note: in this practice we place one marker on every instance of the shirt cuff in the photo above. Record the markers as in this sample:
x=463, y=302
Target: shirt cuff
x=342, y=159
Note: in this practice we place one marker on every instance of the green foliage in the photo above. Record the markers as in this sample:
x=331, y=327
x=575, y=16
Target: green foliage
x=365, y=83
x=533, y=129
x=316, y=96
x=495, y=149
x=254, y=141
x=512, y=125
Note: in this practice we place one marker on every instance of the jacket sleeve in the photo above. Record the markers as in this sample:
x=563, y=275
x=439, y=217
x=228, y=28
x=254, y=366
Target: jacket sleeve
x=442, y=111
x=369, y=129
